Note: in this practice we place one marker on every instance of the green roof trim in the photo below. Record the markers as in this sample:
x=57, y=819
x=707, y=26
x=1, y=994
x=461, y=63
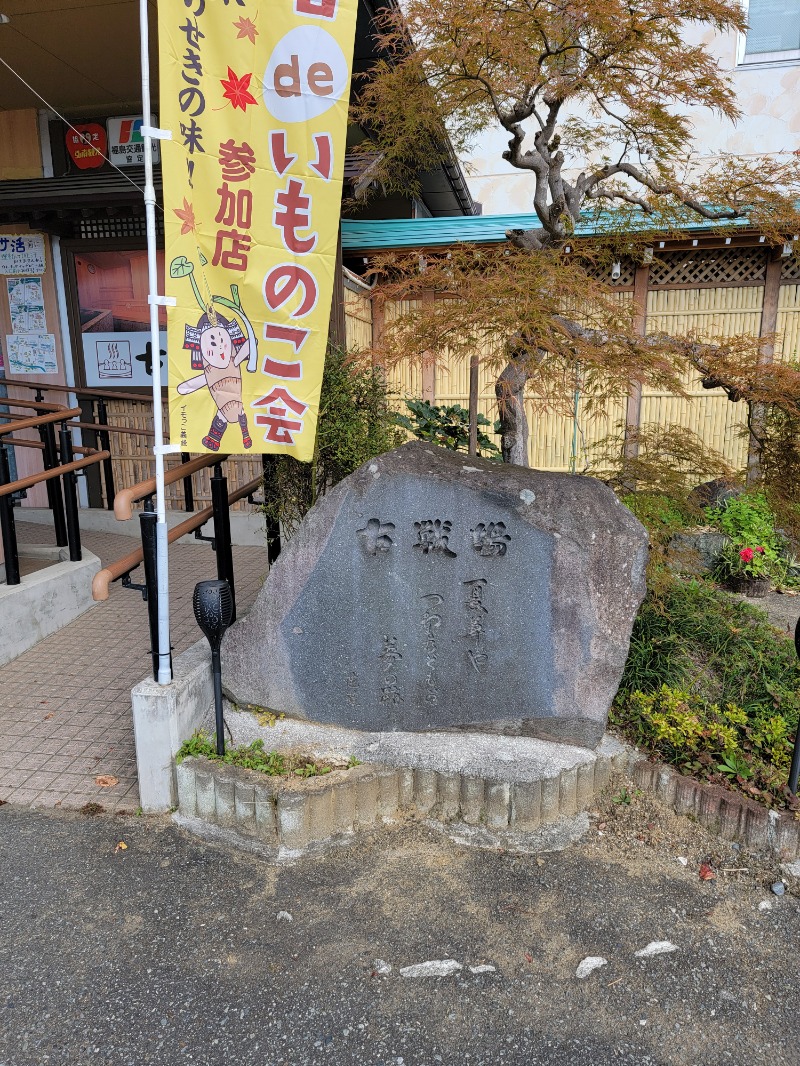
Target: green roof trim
x=373, y=236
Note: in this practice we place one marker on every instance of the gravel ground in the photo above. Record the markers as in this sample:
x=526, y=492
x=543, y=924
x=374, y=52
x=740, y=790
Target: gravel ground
x=170, y=951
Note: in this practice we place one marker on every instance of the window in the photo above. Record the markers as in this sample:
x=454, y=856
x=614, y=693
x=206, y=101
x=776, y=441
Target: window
x=774, y=30
x=115, y=317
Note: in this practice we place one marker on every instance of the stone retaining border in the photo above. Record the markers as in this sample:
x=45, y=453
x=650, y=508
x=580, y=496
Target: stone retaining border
x=731, y=816
x=286, y=816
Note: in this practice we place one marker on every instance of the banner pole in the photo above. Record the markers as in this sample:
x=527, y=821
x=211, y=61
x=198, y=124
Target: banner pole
x=164, y=673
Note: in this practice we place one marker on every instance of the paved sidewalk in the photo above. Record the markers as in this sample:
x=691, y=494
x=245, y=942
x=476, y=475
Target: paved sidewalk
x=65, y=709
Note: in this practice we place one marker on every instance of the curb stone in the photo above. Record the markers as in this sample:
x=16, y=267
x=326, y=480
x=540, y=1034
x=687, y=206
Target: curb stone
x=732, y=817
x=287, y=816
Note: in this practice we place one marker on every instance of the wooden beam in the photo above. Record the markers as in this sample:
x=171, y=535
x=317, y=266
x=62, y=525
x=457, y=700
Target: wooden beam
x=769, y=323
x=428, y=358
x=633, y=409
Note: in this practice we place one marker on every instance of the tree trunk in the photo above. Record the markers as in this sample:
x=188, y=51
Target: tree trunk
x=510, y=392
x=474, y=383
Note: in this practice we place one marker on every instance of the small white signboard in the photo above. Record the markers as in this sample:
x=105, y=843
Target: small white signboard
x=121, y=359
x=125, y=141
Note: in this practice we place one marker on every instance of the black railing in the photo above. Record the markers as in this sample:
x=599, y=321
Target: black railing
x=58, y=470
x=145, y=556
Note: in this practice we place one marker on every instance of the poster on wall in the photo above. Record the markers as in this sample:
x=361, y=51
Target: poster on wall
x=22, y=253
x=31, y=353
x=26, y=305
x=252, y=193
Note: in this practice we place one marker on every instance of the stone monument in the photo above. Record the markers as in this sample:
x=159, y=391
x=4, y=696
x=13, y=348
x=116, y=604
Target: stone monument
x=434, y=591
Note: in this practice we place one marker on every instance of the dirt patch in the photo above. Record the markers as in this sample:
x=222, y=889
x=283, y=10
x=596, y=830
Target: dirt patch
x=636, y=829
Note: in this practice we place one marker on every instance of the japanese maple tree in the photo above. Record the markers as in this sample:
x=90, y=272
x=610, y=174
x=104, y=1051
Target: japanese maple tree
x=595, y=97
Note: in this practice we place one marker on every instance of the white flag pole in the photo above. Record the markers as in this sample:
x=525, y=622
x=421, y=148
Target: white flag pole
x=164, y=674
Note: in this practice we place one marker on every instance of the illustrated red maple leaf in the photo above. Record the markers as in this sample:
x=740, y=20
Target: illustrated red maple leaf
x=237, y=90
x=186, y=215
x=246, y=28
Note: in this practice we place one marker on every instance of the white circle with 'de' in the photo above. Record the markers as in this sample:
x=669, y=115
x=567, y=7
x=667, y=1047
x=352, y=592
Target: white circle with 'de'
x=307, y=74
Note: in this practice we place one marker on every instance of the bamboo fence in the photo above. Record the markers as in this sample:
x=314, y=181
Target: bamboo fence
x=710, y=294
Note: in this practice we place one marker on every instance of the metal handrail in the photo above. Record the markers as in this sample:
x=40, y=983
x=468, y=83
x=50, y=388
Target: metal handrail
x=106, y=394
x=37, y=405
x=125, y=498
x=13, y=442
x=34, y=479
x=39, y=420
x=120, y=567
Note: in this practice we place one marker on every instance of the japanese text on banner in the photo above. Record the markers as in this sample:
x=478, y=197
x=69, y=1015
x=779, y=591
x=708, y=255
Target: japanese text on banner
x=256, y=97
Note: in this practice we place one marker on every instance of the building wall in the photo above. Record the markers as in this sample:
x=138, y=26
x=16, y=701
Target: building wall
x=767, y=94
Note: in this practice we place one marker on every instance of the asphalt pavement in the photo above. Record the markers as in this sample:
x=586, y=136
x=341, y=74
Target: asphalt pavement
x=125, y=941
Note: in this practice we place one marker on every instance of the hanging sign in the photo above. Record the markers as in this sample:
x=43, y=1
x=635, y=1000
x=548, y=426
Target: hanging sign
x=87, y=145
x=256, y=99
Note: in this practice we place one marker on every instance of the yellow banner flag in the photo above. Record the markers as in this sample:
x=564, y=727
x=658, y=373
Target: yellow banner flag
x=256, y=96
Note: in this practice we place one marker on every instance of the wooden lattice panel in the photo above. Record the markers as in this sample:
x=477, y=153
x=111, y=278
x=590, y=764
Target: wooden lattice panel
x=710, y=267
x=602, y=272
x=790, y=269
x=118, y=227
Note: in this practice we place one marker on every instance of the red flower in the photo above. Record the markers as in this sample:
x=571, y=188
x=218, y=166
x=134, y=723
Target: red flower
x=759, y=549
x=746, y=555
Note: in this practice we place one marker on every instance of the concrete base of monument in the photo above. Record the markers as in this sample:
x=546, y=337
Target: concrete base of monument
x=490, y=756
x=517, y=793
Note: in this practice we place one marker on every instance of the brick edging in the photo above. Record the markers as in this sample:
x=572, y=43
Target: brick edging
x=289, y=815
x=731, y=816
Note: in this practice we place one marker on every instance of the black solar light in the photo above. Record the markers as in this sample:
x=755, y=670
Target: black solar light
x=213, y=611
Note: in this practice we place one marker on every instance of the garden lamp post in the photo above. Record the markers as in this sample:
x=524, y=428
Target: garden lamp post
x=213, y=611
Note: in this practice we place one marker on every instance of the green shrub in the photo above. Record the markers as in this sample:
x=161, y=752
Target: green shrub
x=722, y=744
x=661, y=515
x=446, y=426
x=711, y=687
x=692, y=636
x=356, y=423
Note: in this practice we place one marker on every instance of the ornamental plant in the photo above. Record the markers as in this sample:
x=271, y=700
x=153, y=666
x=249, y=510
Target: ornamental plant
x=446, y=426
x=758, y=561
x=755, y=548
